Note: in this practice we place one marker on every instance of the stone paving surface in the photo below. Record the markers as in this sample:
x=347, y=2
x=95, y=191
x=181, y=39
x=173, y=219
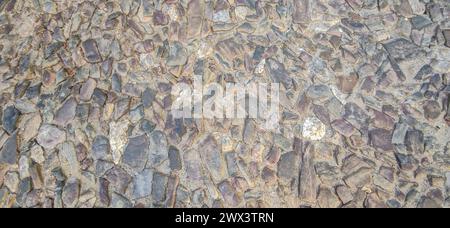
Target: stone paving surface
x=85, y=97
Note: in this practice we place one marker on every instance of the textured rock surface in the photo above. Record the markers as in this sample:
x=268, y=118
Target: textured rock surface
x=86, y=94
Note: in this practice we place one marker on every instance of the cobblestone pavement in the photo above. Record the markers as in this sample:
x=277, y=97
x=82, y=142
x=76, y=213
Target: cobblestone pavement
x=85, y=97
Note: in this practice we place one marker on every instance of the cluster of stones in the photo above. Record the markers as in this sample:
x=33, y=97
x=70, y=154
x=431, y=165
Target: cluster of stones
x=85, y=97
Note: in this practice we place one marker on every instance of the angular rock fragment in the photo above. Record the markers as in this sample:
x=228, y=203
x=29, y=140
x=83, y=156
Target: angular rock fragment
x=212, y=157
x=414, y=142
x=175, y=159
x=118, y=178
x=432, y=110
x=91, y=52
x=229, y=194
x=327, y=199
x=66, y=113
x=136, y=153
x=87, y=90
x=100, y=148
x=50, y=136
x=302, y=11
x=71, y=193
x=343, y=127
x=159, y=186
x=381, y=139
x=143, y=184
x=288, y=166
x=158, y=148
x=308, y=182
x=278, y=73
x=9, y=119
x=9, y=152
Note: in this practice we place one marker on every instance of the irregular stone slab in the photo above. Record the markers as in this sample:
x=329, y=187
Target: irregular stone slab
x=103, y=192
x=100, y=148
x=119, y=201
x=143, y=184
x=175, y=159
x=136, y=153
x=401, y=49
x=148, y=97
x=178, y=55
x=29, y=127
x=195, y=13
x=9, y=152
x=229, y=194
x=381, y=139
x=308, y=182
x=356, y=115
x=159, y=186
x=118, y=178
x=343, y=127
x=278, y=73
x=302, y=11
x=68, y=158
x=87, y=90
x=211, y=155
x=9, y=119
x=414, y=142
x=420, y=22
x=327, y=199
x=91, y=52
x=50, y=136
x=432, y=110
x=118, y=139
x=71, y=193
x=289, y=166
x=66, y=113
x=360, y=178
x=158, y=148
x=399, y=134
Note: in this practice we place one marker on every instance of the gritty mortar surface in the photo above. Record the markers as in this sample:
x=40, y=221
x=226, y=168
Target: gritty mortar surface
x=85, y=100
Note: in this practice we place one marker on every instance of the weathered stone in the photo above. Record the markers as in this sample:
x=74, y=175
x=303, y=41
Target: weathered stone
x=302, y=11
x=229, y=194
x=175, y=159
x=288, y=166
x=118, y=178
x=159, y=186
x=278, y=73
x=415, y=142
x=359, y=179
x=119, y=201
x=66, y=113
x=158, y=148
x=343, y=127
x=100, y=148
x=9, y=120
x=9, y=152
x=432, y=110
x=71, y=193
x=118, y=139
x=211, y=154
x=87, y=90
x=91, y=52
x=327, y=199
x=136, y=153
x=177, y=55
x=344, y=194
x=143, y=184
x=381, y=139
x=308, y=182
